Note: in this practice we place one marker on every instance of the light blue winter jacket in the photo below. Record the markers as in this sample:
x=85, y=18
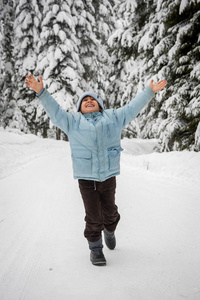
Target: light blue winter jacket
x=95, y=137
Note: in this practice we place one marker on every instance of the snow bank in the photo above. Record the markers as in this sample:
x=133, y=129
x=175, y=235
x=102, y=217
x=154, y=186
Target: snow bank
x=18, y=149
x=139, y=146
x=141, y=156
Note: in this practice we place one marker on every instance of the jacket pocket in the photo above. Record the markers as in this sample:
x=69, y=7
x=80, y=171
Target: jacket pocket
x=114, y=158
x=82, y=161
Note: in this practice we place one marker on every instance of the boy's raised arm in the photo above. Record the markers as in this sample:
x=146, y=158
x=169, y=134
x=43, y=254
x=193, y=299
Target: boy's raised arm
x=58, y=116
x=127, y=113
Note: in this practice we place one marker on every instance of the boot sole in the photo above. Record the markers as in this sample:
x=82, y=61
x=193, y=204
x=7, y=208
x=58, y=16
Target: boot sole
x=99, y=263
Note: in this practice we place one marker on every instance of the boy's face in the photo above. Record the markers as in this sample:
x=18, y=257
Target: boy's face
x=89, y=105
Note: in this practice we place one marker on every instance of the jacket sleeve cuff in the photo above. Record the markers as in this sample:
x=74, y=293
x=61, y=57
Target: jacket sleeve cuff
x=40, y=93
x=149, y=91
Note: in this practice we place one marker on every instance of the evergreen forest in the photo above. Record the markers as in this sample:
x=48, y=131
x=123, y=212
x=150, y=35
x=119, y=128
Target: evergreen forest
x=111, y=47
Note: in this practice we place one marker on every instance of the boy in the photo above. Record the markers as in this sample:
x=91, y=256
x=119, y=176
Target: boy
x=94, y=136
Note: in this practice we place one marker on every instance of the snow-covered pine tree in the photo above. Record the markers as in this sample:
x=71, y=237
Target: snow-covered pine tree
x=1, y=71
x=189, y=68
x=26, y=37
x=104, y=26
x=123, y=49
x=58, y=59
x=83, y=13
x=175, y=113
x=165, y=41
x=94, y=23
x=7, y=102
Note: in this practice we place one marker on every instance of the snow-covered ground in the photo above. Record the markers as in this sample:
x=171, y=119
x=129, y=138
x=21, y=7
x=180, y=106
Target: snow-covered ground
x=43, y=254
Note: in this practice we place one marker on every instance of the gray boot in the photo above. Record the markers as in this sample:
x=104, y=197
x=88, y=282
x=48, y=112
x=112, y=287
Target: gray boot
x=110, y=239
x=96, y=255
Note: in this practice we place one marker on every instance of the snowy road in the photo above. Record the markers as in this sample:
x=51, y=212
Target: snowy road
x=44, y=256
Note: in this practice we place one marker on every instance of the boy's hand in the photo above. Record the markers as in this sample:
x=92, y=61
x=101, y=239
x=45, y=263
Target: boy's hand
x=35, y=85
x=156, y=87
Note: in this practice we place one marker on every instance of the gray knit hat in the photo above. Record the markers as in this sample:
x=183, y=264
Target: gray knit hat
x=93, y=95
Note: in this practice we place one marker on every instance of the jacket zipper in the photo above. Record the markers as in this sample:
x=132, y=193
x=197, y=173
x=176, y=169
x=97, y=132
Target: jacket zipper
x=97, y=148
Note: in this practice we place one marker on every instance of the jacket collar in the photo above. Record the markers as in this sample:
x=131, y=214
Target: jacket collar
x=92, y=115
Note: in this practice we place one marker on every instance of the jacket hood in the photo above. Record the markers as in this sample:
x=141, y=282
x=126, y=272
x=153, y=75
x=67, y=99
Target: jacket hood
x=91, y=94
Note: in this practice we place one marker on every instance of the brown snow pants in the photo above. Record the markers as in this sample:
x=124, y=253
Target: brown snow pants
x=100, y=209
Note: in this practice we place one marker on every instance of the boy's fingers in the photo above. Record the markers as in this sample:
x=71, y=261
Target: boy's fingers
x=162, y=82
x=32, y=77
x=27, y=78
